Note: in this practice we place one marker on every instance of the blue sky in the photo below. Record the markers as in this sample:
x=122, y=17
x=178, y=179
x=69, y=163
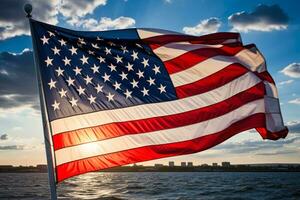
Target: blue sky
x=275, y=31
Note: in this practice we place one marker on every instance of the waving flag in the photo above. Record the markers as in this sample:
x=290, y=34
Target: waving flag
x=118, y=97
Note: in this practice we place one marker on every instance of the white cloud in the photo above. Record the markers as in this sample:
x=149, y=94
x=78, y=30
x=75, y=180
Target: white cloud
x=295, y=101
x=263, y=18
x=106, y=23
x=14, y=23
x=285, y=82
x=294, y=126
x=206, y=26
x=4, y=72
x=292, y=70
x=18, y=143
x=74, y=10
x=12, y=17
x=79, y=8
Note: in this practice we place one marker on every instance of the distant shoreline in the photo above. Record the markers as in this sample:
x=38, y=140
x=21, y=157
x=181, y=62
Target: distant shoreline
x=164, y=168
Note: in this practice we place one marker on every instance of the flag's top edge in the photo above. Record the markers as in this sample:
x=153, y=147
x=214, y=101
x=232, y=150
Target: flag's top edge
x=143, y=33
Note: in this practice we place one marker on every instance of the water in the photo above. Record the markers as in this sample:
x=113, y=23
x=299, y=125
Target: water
x=156, y=185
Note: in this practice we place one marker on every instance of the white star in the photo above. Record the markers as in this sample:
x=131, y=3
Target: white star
x=62, y=93
x=145, y=92
x=128, y=94
x=73, y=102
x=123, y=75
x=98, y=38
x=118, y=59
x=48, y=61
x=62, y=42
x=140, y=74
x=138, y=45
x=77, y=70
x=88, y=80
x=101, y=59
x=99, y=88
x=151, y=81
x=80, y=90
x=134, y=55
x=91, y=52
x=95, y=46
x=156, y=69
x=145, y=62
x=107, y=51
x=73, y=50
x=45, y=40
x=129, y=67
x=134, y=83
x=162, y=88
x=84, y=59
x=95, y=69
x=81, y=41
x=106, y=77
x=67, y=61
x=124, y=49
x=56, y=50
x=92, y=99
x=55, y=105
x=51, y=34
x=70, y=81
x=110, y=97
x=117, y=85
x=59, y=71
x=112, y=67
x=52, y=84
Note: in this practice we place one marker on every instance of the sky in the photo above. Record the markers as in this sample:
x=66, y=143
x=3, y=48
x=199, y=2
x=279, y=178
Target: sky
x=273, y=26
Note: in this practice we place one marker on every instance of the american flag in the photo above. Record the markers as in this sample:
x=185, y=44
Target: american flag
x=125, y=96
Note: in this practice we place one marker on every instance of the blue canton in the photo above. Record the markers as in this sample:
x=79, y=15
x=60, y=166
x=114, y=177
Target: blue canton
x=84, y=72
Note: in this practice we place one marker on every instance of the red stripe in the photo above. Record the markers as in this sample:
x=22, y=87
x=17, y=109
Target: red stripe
x=213, y=81
x=265, y=76
x=96, y=163
x=191, y=58
x=215, y=38
x=272, y=136
x=107, y=131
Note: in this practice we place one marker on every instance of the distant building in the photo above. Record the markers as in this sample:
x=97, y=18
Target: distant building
x=171, y=164
x=190, y=164
x=158, y=165
x=6, y=166
x=225, y=164
x=41, y=166
x=215, y=164
x=183, y=164
x=204, y=165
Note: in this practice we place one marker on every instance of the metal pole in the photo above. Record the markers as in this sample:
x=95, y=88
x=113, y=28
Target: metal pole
x=46, y=127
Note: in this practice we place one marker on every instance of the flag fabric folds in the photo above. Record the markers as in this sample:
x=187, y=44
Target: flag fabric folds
x=125, y=96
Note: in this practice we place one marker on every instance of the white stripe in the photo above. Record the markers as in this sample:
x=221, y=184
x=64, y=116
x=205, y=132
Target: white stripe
x=274, y=122
x=173, y=50
x=212, y=65
x=180, y=134
x=229, y=41
x=147, y=33
x=157, y=109
x=272, y=105
x=271, y=89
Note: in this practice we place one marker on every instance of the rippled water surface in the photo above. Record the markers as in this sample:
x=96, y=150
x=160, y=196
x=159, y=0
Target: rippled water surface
x=156, y=185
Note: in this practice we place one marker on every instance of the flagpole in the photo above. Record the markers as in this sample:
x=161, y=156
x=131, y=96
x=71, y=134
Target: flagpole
x=46, y=127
